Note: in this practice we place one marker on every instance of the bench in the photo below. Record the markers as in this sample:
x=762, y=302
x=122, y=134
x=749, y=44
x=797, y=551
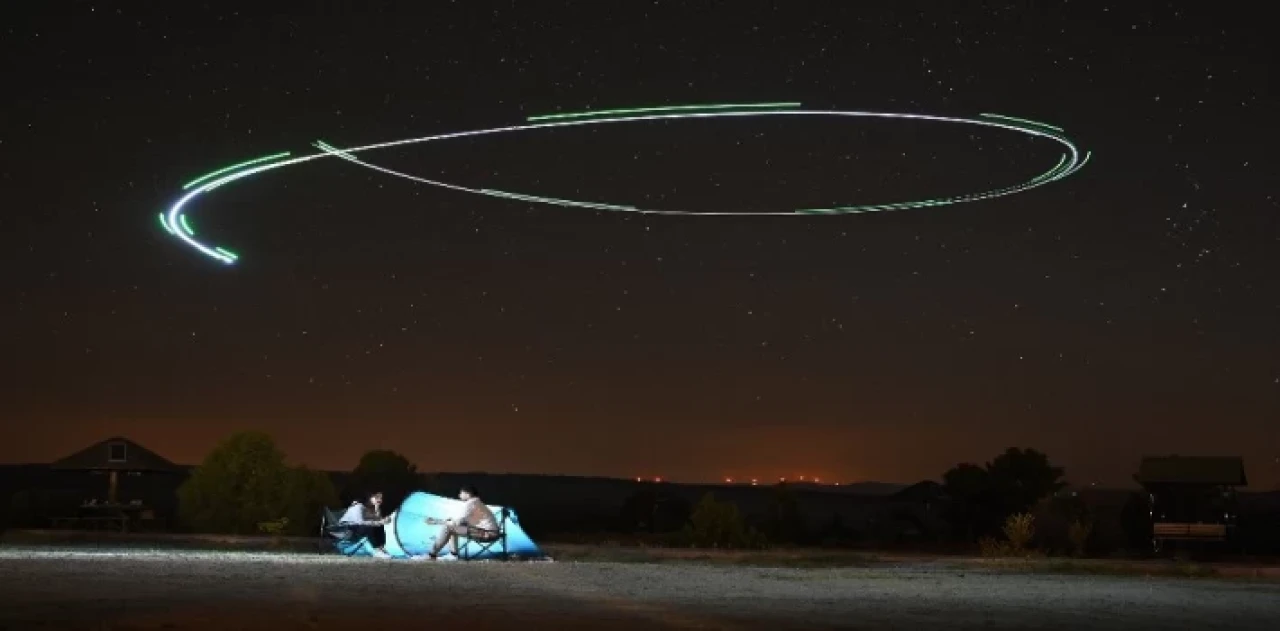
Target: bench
x=1189, y=532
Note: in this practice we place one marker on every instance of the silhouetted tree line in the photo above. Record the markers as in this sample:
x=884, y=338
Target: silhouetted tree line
x=981, y=498
x=670, y=519
x=1021, y=483
x=978, y=500
x=244, y=486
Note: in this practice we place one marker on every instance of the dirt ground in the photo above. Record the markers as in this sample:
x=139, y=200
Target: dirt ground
x=54, y=588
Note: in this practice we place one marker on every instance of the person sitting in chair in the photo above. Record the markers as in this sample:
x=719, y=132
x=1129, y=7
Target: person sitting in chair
x=476, y=522
x=367, y=521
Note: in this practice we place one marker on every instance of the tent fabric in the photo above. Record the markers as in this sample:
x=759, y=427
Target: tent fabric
x=408, y=534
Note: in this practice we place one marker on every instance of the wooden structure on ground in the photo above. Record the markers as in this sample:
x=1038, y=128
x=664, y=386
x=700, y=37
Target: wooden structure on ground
x=135, y=483
x=1192, y=498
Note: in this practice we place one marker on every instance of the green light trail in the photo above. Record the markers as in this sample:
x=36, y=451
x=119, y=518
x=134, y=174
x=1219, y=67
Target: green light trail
x=666, y=108
x=209, y=176
x=1024, y=121
x=176, y=223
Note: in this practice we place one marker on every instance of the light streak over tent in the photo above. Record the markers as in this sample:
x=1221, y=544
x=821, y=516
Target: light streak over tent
x=175, y=221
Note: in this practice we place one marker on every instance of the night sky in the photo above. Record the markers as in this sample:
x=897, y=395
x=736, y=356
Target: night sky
x=1130, y=309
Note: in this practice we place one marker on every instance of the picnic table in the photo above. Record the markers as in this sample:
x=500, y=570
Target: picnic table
x=105, y=516
x=118, y=523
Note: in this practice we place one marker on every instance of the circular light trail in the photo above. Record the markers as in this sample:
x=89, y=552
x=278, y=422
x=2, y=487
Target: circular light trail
x=175, y=220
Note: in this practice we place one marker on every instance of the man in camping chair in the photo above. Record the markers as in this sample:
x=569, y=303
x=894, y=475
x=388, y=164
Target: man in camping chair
x=476, y=523
x=367, y=521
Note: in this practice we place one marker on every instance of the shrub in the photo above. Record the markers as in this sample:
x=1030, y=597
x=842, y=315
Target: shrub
x=1019, y=529
x=274, y=527
x=1078, y=532
x=720, y=525
x=994, y=548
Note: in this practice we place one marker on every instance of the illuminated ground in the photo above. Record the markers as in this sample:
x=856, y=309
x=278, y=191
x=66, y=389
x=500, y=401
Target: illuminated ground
x=53, y=588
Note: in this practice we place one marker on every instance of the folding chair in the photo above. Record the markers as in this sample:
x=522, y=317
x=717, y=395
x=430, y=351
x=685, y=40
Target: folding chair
x=336, y=535
x=490, y=539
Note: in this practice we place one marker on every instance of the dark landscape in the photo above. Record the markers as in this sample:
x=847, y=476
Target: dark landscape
x=639, y=314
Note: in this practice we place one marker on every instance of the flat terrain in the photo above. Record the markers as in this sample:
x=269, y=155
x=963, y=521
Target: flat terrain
x=65, y=588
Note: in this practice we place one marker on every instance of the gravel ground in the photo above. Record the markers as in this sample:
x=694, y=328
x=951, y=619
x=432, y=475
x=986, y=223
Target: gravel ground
x=44, y=588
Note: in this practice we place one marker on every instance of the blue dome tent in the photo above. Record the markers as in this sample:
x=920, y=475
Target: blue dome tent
x=408, y=534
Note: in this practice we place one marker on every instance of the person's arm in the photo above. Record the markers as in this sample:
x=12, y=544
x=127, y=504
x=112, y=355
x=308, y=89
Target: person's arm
x=355, y=516
x=378, y=520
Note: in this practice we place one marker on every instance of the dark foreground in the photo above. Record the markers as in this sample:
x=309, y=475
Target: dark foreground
x=44, y=588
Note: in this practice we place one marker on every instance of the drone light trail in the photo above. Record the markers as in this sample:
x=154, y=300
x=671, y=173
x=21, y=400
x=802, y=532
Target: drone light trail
x=175, y=221
x=234, y=167
x=667, y=108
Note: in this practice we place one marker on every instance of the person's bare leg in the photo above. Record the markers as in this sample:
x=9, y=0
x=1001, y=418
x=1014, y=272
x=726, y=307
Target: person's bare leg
x=453, y=540
x=446, y=533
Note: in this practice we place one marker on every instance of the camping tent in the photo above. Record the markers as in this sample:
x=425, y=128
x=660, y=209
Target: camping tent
x=409, y=535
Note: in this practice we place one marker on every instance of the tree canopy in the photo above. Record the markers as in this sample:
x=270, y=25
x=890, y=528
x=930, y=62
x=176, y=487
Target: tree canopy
x=386, y=471
x=983, y=496
x=245, y=481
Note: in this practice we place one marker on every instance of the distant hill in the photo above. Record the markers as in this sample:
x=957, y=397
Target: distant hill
x=872, y=488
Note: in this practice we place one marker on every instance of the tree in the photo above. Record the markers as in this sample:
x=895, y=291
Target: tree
x=386, y=471
x=969, y=487
x=983, y=497
x=308, y=493
x=241, y=483
x=638, y=512
x=647, y=510
x=1020, y=478
x=784, y=523
x=244, y=482
x=716, y=524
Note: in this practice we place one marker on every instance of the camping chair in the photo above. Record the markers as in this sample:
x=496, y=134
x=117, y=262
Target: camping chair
x=336, y=535
x=489, y=539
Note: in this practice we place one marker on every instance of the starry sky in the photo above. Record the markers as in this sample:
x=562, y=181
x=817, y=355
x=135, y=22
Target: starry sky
x=1130, y=309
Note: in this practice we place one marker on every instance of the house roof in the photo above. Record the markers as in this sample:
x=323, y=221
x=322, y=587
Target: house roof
x=1227, y=471
x=106, y=455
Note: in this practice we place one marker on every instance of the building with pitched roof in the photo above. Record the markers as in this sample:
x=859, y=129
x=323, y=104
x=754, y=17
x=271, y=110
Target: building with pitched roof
x=1192, y=498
